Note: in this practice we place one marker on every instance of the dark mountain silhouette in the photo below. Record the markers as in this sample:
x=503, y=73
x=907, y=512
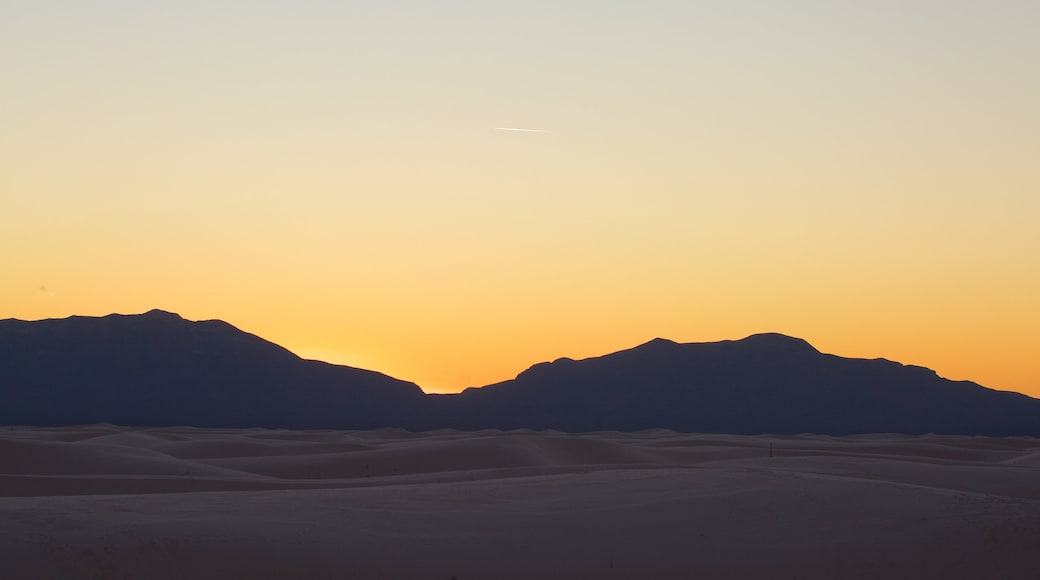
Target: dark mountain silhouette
x=159, y=369
x=766, y=383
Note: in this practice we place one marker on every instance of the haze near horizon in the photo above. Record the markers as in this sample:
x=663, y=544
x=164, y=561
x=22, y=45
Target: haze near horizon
x=335, y=177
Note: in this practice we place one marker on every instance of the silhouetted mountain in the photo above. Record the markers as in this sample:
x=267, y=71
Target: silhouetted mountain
x=766, y=383
x=159, y=369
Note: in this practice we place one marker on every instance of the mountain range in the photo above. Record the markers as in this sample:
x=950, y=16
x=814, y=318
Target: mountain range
x=157, y=369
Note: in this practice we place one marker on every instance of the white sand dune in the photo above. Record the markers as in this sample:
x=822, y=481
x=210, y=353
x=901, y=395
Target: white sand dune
x=111, y=502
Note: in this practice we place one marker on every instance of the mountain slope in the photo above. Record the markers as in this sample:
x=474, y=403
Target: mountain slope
x=766, y=383
x=159, y=369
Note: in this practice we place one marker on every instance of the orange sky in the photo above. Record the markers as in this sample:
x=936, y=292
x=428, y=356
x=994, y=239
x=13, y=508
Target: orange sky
x=330, y=177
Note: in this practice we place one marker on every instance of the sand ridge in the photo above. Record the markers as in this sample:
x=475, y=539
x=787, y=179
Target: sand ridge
x=108, y=501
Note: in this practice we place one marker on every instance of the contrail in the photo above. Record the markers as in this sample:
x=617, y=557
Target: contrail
x=521, y=130
x=43, y=290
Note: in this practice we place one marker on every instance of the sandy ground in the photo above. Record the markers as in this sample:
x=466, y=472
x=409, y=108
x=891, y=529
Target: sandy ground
x=109, y=502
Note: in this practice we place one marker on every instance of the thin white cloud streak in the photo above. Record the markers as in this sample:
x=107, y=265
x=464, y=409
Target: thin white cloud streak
x=521, y=130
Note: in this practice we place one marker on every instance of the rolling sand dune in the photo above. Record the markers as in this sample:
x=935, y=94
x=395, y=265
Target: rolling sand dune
x=107, y=502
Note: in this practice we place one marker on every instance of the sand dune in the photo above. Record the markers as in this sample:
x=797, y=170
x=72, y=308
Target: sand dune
x=105, y=501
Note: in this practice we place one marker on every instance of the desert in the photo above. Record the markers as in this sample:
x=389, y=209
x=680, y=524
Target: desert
x=541, y=289
x=103, y=501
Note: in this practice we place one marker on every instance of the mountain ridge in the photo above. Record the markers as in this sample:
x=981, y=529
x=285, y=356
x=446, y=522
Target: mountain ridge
x=158, y=368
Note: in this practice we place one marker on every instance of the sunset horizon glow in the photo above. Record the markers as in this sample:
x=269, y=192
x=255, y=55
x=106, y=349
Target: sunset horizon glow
x=355, y=182
x=358, y=359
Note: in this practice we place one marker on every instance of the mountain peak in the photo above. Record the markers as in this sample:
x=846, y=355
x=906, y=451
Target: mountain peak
x=777, y=341
x=658, y=343
x=162, y=314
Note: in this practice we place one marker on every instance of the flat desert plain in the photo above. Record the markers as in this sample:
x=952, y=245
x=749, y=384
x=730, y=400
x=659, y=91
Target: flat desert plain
x=110, y=502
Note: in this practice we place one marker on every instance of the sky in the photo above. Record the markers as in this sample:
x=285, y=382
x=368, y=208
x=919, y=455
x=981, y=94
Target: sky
x=334, y=176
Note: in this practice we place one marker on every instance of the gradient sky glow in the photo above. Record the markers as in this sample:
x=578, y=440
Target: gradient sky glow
x=329, y=175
